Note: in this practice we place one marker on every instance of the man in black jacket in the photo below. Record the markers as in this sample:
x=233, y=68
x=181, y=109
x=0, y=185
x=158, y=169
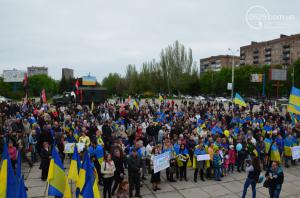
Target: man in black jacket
x=134, y=166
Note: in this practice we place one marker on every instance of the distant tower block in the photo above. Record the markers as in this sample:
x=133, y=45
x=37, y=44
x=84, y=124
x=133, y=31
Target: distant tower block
x=67, y=73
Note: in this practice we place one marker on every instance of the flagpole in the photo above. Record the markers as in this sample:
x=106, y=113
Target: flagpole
x=46, y=190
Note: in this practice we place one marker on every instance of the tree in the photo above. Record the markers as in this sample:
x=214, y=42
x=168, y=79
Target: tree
x=39, y=82
x=112, y=83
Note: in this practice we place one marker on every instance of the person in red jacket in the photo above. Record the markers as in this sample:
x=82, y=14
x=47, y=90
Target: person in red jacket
x=232, y=157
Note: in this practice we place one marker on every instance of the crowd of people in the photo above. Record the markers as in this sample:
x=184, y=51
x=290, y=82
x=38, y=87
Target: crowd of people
x=128, y=134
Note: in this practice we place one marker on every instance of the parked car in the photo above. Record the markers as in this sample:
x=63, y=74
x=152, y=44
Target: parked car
x=252, y=100
x=221, y=99
x=4, y=99
x=200, y=98
x=188, y=97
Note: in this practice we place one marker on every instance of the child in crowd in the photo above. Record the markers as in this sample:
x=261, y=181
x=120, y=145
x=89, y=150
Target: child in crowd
x=231, y=158
x=217, y=162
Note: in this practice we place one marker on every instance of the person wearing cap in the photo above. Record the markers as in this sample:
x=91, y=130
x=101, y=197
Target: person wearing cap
x=134, y=173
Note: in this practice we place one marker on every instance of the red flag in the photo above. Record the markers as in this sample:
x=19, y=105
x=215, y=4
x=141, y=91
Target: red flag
x=44, y=96
x=25, y=81
x=77, y=86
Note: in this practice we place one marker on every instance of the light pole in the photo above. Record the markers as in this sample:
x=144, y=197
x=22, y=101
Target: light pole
x=232, y=70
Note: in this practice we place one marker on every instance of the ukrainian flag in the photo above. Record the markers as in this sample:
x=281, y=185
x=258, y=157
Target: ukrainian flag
x=21, y=193
x=74, y=166
x=8, y=182
x=57, y=179
x=239, y=100
x=294, y=101
x=136, y=105
x=87, y=182
x=18, y=173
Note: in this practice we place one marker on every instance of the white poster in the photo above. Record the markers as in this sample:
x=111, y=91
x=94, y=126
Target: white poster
x=80, y=146
x=69, y=147
x=203, y=157
x=296, y=152
x=161, y=162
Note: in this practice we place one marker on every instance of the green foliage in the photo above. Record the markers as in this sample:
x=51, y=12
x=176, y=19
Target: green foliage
x=37, y=83
x=176, y=73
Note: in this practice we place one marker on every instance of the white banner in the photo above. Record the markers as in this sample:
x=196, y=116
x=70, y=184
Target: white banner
x=13, y=75
x=296, y=152
x=69, y=147
x=161, y=162
x=203, y=157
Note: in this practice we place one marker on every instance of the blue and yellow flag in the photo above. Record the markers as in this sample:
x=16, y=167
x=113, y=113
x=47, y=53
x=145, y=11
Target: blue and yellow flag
x=294, y=101
x=87, y=182
x=239, y=100
x=57, y=179
x=74, y=166
x=8, y=182
x=21, y=193
x=19, y=165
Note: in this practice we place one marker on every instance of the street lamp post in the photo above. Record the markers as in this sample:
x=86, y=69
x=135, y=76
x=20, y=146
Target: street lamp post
x=232, y=70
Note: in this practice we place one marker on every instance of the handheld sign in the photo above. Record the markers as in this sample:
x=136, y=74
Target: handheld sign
x=296, y=152
x=203, y=157
x=69, y=147
x=161, y=162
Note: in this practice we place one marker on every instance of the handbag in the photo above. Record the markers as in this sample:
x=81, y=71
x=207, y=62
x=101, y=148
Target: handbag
x=266, y=183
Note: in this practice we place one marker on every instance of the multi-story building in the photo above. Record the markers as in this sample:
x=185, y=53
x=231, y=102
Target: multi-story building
x=281, y=51
x=67, y=73
x=34, y=70
x=215, y=63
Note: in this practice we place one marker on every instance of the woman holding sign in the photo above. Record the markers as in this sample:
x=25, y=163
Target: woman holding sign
x=199, y=150
x=155, y=177
x=183, y=158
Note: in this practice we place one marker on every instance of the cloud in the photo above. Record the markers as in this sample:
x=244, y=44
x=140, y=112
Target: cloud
x=100, y=36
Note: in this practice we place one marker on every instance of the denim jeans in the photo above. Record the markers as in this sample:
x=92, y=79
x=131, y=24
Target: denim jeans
x=274, y=193
x=217, y=173
x=249, y=182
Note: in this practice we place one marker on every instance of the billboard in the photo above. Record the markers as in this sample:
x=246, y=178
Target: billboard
x=13, y=75
x=89, y=81
x=256, y=78
x=278, y=74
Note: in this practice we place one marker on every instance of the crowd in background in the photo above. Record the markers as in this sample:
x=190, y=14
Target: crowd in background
x=128, y=134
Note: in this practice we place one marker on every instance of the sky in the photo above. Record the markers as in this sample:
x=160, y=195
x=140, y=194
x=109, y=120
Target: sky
x=101, y=37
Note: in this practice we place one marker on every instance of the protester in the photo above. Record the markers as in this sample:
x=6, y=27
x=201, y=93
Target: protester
x=107, y=169
x=253, y=170
x=119, y=174
x=183, y=157
x=155, y=177
x=229, y=134
x=134, y=173
x=199, y=165
x=274, y=178
x=45, y=160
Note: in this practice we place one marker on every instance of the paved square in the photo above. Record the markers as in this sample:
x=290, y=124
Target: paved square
x=231, y=186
